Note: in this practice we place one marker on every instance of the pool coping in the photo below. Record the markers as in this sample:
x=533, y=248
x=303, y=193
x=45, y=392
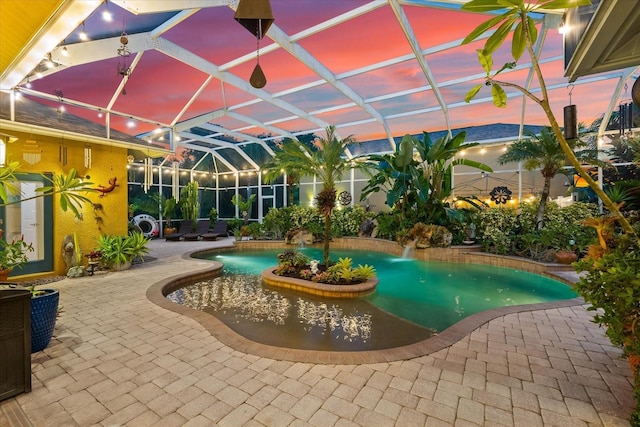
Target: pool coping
x=157, y=292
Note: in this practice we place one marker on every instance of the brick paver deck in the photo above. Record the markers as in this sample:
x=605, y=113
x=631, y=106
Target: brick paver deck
x=117, y=359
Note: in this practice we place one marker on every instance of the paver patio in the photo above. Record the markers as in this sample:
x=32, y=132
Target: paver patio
x=118, y=359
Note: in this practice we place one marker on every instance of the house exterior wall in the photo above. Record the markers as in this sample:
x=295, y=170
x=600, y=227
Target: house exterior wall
x=107, y=163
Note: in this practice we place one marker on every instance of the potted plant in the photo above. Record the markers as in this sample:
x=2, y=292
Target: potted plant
x=13, y=255
x=118, y=252
x=168, y=212
x=44, y=312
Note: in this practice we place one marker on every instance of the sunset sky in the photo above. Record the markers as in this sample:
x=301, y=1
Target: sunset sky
x=160, y=86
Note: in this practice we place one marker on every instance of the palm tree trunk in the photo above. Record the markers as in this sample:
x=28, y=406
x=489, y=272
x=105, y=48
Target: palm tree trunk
x=546, y=189
x=327, y=239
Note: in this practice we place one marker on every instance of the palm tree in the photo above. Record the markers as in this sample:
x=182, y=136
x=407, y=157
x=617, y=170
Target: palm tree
x=324, y=160
x=543, y=152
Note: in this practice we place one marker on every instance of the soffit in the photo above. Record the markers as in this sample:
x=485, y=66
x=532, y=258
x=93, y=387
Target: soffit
x=611, y=40
x=20, y=21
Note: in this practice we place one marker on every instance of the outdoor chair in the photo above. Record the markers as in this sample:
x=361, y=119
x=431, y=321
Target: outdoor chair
x=201, y=228
x=185, y=227
x=219, y=230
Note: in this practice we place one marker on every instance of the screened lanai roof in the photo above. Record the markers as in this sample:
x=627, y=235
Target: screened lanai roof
x=375, y=69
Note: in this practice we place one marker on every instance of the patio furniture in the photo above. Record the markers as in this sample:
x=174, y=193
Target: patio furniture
x=201, y=228
x=219, y=230
x=185, y=227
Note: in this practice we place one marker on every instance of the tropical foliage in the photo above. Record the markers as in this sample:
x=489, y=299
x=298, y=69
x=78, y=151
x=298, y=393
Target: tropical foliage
x=610, y=283
x=189, y=202
x=504, y=231
x=516, y=15
x=68, y=188
x=419, y=187
x=119, y=250
x=292, y=263
x=243, y=205
x=14, y=254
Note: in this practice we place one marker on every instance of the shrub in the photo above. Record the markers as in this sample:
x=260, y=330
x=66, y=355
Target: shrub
x=496, y=229
x=347, y=221
x=277, y=222
x=307, y=218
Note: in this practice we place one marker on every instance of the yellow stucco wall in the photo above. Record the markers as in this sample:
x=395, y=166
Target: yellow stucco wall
x=107, y=163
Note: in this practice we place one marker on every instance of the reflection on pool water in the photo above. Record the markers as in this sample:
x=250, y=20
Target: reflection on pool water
x=413, y=301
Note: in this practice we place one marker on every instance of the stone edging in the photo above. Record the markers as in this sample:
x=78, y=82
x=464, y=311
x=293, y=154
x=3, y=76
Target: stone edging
x=321, y=289
x=156, y=294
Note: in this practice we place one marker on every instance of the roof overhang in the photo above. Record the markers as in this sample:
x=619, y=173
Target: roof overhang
x=610, y=40
x=149, y=151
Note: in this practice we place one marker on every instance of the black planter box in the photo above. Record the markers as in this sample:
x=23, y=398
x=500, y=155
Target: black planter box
x=15, y=342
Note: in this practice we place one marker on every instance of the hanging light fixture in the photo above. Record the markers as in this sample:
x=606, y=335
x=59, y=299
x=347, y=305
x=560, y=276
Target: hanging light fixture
x=570, y=119
x=625, y=114
x=106, y=14
x=83, y=33
x=256, y=16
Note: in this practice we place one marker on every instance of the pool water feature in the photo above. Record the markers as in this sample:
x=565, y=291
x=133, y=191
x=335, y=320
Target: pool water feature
x=417, y=298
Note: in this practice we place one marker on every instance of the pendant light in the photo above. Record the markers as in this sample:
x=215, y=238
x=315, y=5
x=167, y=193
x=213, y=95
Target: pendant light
x=570, y=119
x=256, y=16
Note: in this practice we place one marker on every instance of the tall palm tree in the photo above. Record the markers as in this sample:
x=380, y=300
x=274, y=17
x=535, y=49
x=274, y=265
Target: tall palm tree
x=325, y=161
x=543, y=151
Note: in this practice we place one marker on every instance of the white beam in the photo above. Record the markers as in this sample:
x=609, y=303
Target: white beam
x=213, y=154
x=259, y=124
x=138, y=7
x=241, y=136
x=307, y=59
x=417, y=51
x=221, y=143
x=195, y=61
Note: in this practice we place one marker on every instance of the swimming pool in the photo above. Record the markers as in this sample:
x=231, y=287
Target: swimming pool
x=413, y=301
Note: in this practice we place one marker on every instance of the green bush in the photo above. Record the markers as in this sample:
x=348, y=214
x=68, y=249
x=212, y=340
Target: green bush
x=347, y=221
x=307, y=218
x=505, y=231
x=277, y=222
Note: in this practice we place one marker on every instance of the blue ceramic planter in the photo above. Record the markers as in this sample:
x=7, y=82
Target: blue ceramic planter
x=44, y=310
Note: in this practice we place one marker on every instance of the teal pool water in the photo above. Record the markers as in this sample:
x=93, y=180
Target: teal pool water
x=413, y=300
